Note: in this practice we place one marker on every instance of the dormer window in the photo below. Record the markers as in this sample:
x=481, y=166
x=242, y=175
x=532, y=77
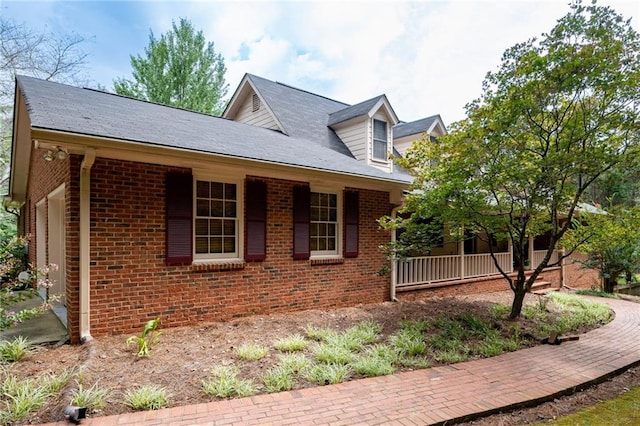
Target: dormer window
x=380, y=140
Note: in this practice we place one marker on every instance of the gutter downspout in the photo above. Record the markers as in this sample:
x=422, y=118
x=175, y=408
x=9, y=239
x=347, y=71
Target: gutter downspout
x=394, y=263
x=85, y=253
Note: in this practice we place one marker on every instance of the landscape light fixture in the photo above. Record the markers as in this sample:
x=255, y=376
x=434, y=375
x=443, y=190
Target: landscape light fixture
x=48, y=155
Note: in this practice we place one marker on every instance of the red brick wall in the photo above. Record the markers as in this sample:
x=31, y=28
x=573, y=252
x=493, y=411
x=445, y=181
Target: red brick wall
x=131, y=284
x=576, y=276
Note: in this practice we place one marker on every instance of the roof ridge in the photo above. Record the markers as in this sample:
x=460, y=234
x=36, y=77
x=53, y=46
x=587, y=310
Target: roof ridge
x=311, y=93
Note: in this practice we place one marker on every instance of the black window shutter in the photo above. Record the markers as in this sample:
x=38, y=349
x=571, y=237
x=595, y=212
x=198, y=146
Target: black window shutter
x=179, y=215
x=301, y=218
x=351, y=223
x=256, y=220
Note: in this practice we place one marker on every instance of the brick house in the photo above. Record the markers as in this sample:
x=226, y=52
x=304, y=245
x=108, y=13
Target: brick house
x=152, y=211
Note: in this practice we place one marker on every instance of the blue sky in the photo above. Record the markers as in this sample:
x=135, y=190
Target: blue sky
x=428, y=57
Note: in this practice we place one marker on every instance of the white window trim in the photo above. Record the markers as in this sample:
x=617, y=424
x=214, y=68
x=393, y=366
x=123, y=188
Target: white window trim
x=238, y=255
x=337, y=253
x=384, y=161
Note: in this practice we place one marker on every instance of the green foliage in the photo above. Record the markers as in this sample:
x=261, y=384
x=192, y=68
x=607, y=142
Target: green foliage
x=14, y=350
x=147, y=397
x=371, y=365
x=55, y=383
x=291, y=343
x=179, y=69
x=623, y=410
x=597, y=293
x=327, y=374
x=223, y=382
x=147, y=339
x=319, y=334
x=408, y=343
x=558, y=113
x=278, y=379
x=93, y=398
x=328, y=353
x=251, y=351
x=296, y=363
x=21, y=397
x=611, y=243
x=498, y=310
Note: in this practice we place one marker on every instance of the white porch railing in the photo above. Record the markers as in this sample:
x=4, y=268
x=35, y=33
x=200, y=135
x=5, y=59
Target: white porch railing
x=538, y=255
x=429, y=269
x=479, y=265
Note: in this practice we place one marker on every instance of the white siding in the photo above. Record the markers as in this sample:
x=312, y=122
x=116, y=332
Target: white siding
x=355, y=137
x=261, y=118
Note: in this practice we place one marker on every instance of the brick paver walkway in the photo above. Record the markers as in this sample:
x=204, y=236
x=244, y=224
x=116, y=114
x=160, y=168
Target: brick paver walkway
x=429, y=396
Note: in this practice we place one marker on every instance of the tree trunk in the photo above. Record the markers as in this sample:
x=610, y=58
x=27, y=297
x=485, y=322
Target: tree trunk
x=518, y=300
x=610, y=284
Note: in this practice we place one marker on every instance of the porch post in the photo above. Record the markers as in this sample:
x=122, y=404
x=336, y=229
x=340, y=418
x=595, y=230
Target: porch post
x=531, y=253
x=510, y=249
x=461, y=251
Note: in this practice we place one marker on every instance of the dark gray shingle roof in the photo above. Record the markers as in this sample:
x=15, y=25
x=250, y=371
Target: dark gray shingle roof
x=60, y=107
x=302, y=114
x=414, y=127
x=353, y=111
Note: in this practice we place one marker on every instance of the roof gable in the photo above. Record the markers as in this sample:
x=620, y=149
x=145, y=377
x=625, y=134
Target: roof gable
x=433, y=124
x=367, y=108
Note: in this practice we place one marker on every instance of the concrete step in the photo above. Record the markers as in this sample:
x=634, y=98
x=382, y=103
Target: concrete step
x=542, y=287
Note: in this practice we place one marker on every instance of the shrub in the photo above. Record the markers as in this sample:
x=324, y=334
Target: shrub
x=147, y=397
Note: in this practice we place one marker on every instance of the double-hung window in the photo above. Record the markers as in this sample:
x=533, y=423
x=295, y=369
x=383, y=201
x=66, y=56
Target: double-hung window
x=380, y=140
x=324, y=224
x=216, y=220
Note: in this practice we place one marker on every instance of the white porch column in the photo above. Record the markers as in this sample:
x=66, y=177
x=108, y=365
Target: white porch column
x=461, y=252
x=531, y=254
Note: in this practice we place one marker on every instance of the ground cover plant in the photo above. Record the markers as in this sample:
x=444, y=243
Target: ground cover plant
x=263, y=354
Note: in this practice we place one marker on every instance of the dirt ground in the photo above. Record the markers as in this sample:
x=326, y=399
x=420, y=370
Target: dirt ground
x=184, y=356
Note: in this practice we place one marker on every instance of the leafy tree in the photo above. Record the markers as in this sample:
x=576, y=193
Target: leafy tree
x=180, y=69
x=39, y=54
x=559, y=113
x=611, y=242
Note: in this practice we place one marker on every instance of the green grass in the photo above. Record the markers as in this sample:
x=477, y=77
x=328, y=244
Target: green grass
x=14, y=350
x=278, y=379
x=223, y=382
x=147, y=397
x=597, y=293
x=296, y=363
x=621, y=411
x=94, y=397
x=22, y=397
x=333, y=353
x=292, y=343
x=326, y=374
x=251, y=351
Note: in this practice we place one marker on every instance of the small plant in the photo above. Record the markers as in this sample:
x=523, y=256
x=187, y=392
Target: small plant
x=22, y=398
x=333, y=354
x=414, y=362
x=148, y=338
x=296, y=363
x=364, y=332
x=14, y=350
x=452, y=356
x=251, y=351
x=147, y=397
x=55, y=383
x=499, y=310
x=291, y=344
x=278, y=379
x=223, y=382
x=408, y=342
x=319, y=334
x=372, y=366
x=94, y=398
x=326, y=374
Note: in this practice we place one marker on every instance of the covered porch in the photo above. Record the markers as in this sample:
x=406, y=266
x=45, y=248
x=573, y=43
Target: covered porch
x=468, y=261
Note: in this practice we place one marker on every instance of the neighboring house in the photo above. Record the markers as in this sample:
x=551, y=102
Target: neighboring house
x=152, y=211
